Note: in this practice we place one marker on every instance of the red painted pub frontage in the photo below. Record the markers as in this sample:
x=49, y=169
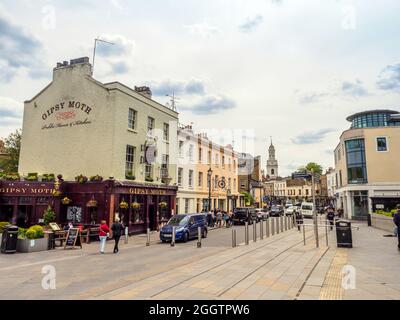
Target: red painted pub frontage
x=139, y=206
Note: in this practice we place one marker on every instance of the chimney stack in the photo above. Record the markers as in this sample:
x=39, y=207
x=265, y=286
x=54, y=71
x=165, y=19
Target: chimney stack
x=144, y=91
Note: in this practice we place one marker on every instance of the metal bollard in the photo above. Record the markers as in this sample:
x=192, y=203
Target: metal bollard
x=233, y=238
x=278, y=229
x=199, y=237
x=246, y=233
x=304, y=234
x=282, y=222
x=286, y=222
x=254, y=231
x=326, y=232
x=267, y=227
x=126, y=235
x=272, y=226
x=148, y=237
x=261, y=229
x=173, y=237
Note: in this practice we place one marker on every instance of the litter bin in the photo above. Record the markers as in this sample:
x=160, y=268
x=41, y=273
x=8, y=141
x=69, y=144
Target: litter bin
x=9, y=239
x=343, y=234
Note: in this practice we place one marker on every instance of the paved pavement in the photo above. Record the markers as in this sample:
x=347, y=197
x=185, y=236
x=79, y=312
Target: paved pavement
x=277, y=267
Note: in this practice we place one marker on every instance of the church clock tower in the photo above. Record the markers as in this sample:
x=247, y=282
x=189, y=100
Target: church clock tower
x=272, y=163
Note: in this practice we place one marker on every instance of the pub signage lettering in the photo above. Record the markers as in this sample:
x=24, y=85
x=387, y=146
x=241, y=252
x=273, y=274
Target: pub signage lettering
x=66, y=113
x=13, y=190
x=147, y=191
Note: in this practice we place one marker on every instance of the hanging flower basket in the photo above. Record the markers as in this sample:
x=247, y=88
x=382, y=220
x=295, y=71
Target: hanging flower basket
x=135, y=205
x=123, y=205
x=66, y=200
x=56, y=193
x=163, y=205
x=91, y=203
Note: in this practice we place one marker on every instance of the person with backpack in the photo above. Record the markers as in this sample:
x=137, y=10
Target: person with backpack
x=117, y=230
x=396, y=220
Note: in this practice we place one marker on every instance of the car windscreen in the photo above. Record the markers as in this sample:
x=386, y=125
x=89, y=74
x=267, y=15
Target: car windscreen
x=178, y=221
x=306, y=207
x=274, y=208
x=240, y=211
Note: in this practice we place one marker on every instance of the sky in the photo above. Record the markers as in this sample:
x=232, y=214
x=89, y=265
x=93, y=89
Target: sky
x=243, y=71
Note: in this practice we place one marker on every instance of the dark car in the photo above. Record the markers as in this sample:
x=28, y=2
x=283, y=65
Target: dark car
x=186, y=227
x=241, y=215
x=276, y=211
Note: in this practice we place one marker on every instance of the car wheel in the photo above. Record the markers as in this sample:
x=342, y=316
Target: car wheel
x=185, y=237
x=204, y=235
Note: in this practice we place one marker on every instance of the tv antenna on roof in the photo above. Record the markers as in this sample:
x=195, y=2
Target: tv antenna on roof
x=173, y=100
x=94, y=50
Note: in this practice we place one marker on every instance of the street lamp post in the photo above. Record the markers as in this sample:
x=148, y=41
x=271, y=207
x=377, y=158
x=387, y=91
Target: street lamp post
x=209, y=174
x=228, y=196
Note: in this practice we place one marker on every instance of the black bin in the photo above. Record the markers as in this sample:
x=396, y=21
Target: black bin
x=9, y=239
x=343, y=234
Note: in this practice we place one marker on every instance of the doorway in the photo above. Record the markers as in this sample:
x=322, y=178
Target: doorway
x=152, y=217
x=24, y=216
x=6, y=213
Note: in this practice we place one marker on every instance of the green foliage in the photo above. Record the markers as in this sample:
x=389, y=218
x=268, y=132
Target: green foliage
x=248, y=198
x=386, y=213
x=22, y=233
x=12, y=176
x=148, y=179
x=2, y=225
x=34, y=232
x=12, y=146
x=96, y=178
x=33, y=176
x=48, y=177
x=81, y=179
x=311, y=166
x=129, y=175
x=49, y=215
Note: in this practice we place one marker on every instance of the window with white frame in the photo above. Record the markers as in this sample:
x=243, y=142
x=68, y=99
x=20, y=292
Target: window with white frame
x=129, y=160
x=190, y=178
x=132, y=115
x=187, y=204
x=180, y=176
x=180, y=151
x=381, y=144
x=148, y=171
x=191, y=148
x=150, y=126
x=200, y=182
x=166, y=132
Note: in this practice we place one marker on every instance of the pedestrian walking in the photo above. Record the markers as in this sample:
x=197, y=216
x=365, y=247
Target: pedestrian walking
x=396, y=220
x=219, y=218
x=330, y=215
x=299, y=219
x=117, y=229
x=226, y=219
x=104, y=232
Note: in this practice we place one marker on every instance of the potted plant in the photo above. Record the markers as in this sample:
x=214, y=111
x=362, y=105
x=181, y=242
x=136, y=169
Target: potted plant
x=48, y=177
x=49, y=215
x=148, y=179
x=2, y=225
x=66, y=200
x=135, y=205
x=81, y=179
x=123, y=205
x=163, y=205
x=12, y=177
x=31, y=240
x=96, y=178
x=91, y=203
x=33, y=176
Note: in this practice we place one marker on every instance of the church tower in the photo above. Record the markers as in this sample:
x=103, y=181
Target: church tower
x=272, y=163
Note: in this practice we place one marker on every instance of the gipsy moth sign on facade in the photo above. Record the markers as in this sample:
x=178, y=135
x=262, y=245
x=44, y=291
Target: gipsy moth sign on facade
x=67, y=114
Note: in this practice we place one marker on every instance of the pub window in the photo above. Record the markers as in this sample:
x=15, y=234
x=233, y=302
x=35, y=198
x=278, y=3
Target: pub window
x=164, y=212
x=138, y=211
x=132, y=116
x=180, y=173
x=129, y=159
x=166, y=132
x=150, y=126
x=148, y=171
x=381, y=144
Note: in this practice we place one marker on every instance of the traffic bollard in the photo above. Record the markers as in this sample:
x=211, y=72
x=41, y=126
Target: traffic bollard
x=233, y=238
x=285, y=219
x=199, y=237
x=246, y=233
x=278, y=229
x=254, y=231
x=272, y=226
x=126, y=235
x=148, y=237
x=261, y=229
x=304, y=234
x=281, y=223
x=173, y=237
x=326, y=232
x=267, y=227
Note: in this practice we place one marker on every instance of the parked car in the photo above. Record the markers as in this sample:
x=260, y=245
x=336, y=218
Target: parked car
x=288, y=203
x=307, y=209
x=241, y=215
x=186, y=227
x=290, y=210
x=276, y=211
x=262, y=214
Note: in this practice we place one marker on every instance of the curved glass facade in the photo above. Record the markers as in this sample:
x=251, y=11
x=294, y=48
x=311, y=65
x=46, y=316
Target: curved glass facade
x=371, y=120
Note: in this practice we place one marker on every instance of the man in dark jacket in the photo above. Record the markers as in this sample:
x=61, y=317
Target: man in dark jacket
x=330, y=215
x=117, y=230
x=396, y=220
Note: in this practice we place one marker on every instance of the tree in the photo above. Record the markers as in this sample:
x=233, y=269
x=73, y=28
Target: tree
x=311, y=166
x=248, y=198
x=12, y=145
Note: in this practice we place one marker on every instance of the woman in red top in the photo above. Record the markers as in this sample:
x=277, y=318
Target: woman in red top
x=104, y=232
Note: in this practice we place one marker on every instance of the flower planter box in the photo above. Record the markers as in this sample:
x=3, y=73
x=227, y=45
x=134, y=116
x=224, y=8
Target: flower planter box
x=34, y=245
x=382, y=222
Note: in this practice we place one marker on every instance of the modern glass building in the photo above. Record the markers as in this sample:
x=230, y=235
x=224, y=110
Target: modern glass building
x=367, y=166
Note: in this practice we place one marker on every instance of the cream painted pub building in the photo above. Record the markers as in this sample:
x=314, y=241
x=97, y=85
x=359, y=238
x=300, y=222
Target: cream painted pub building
x=79, y=126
